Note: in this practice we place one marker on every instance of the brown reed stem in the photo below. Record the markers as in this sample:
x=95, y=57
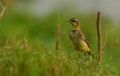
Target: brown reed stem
x=57, y=36
x=99, y=37
x=3, y=6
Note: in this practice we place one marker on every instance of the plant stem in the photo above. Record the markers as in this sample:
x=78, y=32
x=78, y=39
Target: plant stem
x=58, y=37
x=99, y=37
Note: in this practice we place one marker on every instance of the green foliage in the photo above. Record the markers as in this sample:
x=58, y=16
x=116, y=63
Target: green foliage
x=24, y=58
x=27, y=47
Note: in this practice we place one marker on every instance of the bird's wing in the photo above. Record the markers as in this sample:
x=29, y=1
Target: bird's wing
x=85, y=39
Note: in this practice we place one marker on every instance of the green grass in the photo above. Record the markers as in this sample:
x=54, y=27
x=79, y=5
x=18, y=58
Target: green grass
x=24, y=58
x=27, y=46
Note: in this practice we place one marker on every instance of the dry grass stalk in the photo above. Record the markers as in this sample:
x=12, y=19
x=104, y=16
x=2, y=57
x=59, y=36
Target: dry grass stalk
x=3, y=5
x=57, y=36
x=99, y=37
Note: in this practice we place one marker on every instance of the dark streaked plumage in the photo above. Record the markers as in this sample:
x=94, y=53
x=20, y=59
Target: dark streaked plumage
x=77, y=37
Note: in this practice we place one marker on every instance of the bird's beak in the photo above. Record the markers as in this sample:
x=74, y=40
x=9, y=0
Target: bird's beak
x=68, y=21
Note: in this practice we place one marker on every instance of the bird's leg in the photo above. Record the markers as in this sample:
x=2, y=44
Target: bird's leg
x=85, y=56
x=90, y=55
x=79, y=54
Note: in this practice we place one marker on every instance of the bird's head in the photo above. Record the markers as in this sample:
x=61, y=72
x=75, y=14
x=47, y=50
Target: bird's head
x=74, y=22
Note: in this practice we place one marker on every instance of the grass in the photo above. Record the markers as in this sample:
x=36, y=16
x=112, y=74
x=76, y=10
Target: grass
x=23, y=58
x=27, y=47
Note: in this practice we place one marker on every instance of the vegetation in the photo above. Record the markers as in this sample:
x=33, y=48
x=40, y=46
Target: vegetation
x=27, y=46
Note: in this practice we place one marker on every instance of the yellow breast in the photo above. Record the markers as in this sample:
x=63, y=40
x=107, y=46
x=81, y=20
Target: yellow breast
x=84, y=46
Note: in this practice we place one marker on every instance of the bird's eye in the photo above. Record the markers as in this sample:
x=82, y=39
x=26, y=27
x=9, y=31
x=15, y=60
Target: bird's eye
x=73, y=20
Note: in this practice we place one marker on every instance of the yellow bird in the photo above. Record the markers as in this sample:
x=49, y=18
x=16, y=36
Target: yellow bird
x=78, y=39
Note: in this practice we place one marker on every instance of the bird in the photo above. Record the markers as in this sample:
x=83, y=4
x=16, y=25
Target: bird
x=78, y=39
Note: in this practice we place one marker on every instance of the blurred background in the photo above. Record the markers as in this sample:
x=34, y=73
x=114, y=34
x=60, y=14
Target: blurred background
x=37, y=20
